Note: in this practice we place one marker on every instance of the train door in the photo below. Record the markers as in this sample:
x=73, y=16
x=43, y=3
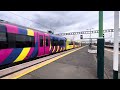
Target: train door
x=41, y=45
x=47, y=44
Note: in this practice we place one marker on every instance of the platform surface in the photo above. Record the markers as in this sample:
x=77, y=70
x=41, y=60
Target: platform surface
x=77, y=65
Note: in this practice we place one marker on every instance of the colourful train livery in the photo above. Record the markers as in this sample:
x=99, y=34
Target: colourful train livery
x=18, y=43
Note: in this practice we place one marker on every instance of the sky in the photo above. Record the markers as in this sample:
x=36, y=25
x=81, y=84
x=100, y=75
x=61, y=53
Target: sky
x=62, y=21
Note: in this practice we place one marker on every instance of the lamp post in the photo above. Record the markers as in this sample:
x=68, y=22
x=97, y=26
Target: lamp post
x=90, y=37
x=100, y=49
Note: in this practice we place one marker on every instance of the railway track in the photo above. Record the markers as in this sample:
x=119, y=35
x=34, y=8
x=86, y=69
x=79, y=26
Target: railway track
x=110, y=46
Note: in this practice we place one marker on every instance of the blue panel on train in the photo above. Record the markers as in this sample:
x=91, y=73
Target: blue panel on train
x=15, y=53
x=3, y=28
x=22, y=31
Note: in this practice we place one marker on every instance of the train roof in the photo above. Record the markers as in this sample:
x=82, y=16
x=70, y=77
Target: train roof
x=21, y=26
x=6, y=22
x=57, y=36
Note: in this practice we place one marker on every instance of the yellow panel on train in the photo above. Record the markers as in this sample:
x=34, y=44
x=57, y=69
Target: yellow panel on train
x=69, y=44
x=30, y=32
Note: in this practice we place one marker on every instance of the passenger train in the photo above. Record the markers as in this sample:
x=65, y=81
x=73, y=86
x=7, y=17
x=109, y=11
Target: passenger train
x=19, y=43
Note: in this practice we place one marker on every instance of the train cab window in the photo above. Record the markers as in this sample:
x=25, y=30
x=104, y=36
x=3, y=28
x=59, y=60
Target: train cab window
x=3, y=40
x=41, y=41
x=46, y=41
x=71, y=43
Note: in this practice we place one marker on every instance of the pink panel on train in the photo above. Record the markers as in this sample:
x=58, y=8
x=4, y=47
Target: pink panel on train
x=11, y=28
x=4, y=53
x=47, y=47
x=40, y=49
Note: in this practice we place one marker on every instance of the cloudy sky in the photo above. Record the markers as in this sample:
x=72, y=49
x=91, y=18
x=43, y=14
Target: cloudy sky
x=61, y=21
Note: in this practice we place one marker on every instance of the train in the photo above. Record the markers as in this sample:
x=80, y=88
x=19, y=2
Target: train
x=19, y=43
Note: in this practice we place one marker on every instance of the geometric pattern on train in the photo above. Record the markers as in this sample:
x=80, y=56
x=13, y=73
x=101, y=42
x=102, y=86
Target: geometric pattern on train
x=19, y=54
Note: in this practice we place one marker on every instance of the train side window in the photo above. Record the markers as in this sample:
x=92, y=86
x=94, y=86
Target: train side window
x=60, y=43
x=46, y=41
x=3, y=40
x=11, y=40
x=24, y=41
x=30, y=42
x=63, y=42
x=41, y=41
x=33, y=41
x=3, y=37
x=52, y=42
x=57, y=42
x=20, y=41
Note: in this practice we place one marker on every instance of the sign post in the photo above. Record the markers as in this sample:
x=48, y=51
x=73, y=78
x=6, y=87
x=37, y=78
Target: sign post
x=100, y=49
x=116, y=45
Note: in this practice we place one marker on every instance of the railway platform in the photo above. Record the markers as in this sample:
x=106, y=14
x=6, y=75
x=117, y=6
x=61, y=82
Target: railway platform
x=71, y=64
x=77, y=65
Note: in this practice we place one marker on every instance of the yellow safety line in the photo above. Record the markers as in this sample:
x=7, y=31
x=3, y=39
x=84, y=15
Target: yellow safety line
x=28, y=70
